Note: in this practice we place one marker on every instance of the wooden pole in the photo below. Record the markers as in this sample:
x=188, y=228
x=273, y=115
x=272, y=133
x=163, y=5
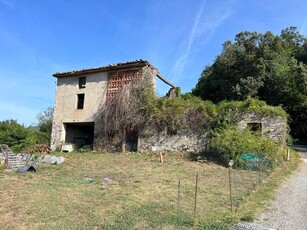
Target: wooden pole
x=288, y=154
x=230, y=192
x=6, y=161
x=259, y=171
x=195, y=198
x=161, y=157
x=178, y=198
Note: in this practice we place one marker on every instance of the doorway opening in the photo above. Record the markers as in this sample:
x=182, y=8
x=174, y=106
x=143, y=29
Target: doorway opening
x=80, y=134
x=131, y=142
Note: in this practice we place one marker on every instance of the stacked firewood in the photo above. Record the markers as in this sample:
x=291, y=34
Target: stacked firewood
x=38, y=148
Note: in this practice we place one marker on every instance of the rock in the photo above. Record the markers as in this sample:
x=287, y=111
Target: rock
x=60, y=159
x=106, y=180
x=51, y=159
x=67, y=148
x=40, y=159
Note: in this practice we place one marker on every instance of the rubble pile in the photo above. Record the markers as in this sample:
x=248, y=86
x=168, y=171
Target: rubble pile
x=38, y=148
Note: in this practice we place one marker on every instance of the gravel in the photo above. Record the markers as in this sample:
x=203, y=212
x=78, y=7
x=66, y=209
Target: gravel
x=289, y=210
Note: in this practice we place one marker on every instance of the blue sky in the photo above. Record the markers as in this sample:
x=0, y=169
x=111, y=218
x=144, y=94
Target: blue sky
x=179, y=37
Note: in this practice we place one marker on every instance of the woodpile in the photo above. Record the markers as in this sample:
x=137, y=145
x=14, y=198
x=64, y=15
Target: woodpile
x=38, y=148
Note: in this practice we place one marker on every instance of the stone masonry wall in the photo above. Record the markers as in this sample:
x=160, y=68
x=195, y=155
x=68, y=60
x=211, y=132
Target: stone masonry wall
x=56, y=137
x=185, y=141
x=273, y=127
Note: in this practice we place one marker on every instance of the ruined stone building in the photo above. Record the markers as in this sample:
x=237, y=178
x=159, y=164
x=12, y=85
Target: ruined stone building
x=80, y=94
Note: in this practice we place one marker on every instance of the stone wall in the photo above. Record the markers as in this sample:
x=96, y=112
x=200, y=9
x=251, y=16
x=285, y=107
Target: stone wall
x=273, y=127
x=155, y=140
x=185, y=141
x=56, y=137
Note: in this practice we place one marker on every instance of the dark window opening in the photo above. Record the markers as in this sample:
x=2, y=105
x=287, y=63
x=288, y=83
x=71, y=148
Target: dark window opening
x=82, y=82
x=255, y=127
x=80, y=103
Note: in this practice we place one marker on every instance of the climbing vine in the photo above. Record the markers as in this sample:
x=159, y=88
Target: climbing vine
x=135, y=107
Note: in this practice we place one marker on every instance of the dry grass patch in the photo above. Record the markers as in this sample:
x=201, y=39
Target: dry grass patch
x=130, y=191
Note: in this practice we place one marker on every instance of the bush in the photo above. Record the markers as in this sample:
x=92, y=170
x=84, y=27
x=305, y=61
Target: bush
x=229, y=143
x=252, y=105
x=17, y=136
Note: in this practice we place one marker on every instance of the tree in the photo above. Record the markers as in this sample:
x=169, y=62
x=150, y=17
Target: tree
x=45, y=124
x=266, y=66
x=17, y=136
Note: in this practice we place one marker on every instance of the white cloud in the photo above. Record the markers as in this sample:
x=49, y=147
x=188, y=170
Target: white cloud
x=204, y=26
x=183, y=59
x=303, y=27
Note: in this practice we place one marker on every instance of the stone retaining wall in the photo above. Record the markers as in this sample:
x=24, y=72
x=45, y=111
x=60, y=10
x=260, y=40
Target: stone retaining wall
x=183, y=142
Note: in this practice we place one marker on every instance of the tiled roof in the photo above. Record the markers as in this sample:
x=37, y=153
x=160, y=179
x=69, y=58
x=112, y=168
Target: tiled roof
x=117, y=66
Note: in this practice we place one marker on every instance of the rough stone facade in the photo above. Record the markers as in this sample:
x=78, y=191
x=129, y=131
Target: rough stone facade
x=183, y=142
x=274, y=127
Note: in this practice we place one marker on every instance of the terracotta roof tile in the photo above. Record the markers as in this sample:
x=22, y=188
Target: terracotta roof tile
x=117, y=66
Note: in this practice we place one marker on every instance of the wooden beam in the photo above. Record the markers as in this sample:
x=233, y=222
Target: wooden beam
x=165, y=81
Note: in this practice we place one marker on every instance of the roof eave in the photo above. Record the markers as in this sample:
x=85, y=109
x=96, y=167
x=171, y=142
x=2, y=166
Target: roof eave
x=103, y=69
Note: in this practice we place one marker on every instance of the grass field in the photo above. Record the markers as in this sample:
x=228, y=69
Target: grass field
x=129, y=191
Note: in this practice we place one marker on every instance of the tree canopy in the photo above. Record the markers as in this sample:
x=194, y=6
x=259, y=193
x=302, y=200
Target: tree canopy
x=18, y=137
x=266, y=66
x=45, y=124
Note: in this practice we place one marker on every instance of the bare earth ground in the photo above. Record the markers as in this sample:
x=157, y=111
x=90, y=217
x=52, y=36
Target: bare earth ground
x=289, y=210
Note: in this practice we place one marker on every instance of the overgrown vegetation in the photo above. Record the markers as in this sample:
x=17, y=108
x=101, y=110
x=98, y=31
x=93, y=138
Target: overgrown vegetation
x=230, y=143
x=265, y=66
x=136, y=107
x=18, y=136
x=45, y=124
x=251, y=105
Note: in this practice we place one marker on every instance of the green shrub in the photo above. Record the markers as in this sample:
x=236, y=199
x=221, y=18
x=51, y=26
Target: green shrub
x=229, y=143
x=252, y=105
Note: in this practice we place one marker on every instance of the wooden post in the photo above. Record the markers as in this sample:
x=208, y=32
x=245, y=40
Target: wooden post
x=230, y=192
x=259, y=171
x=124, y=141
x=288, y=154
x=195, y=198
x=178, y=198
x=161, y=157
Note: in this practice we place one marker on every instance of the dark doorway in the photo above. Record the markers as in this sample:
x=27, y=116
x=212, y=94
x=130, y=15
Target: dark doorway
x=80, y=134
x=132, y=137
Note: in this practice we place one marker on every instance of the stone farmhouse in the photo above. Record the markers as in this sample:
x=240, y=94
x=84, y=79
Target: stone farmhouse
x=80, y=94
